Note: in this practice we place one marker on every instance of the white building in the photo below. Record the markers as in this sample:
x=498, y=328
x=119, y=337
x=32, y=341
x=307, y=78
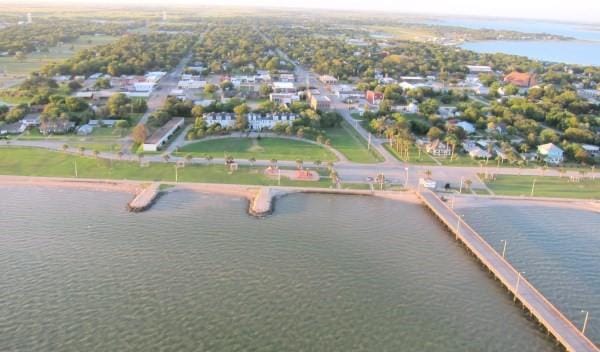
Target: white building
x=257, y=122
x=143, y=86
x=191, y=84
x=447, y=112
x=154, y=76
x=592, y=150
x=466, y=126
x=411, y=108
x=283, y=98
x=327, y=79
x=283, y=87
x=160, y=137
x=223, y=119
x=479, y=69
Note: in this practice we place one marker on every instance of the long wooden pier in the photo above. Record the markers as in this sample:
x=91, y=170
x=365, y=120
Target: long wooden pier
x=551, y=318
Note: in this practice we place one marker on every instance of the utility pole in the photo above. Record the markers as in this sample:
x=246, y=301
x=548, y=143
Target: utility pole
x=462, y=179
x=76, y=174
x=176, y=174
x=406, y=179
x=585, y=321
x=533, y=187
x=517, y=286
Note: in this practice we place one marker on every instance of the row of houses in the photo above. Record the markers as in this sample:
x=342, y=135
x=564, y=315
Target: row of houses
x=256, y=122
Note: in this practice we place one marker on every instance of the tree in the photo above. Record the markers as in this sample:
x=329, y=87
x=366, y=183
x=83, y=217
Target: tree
x=139, y=134
x=468, y=184
x=241, y=120
x=210, y=88
x=188, y=158
x=65, y=147
x=299, y=163
x=317, y=163
x=166, y=157
x=252, y=160
x=96, y=153
x=208, y=158
x=265, y=90
x=434, y=133
x=81, y=150
x=120, y=154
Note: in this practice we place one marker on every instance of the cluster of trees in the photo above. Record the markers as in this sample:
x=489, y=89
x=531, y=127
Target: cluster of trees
x=66, y=109
x=238, y=48
x=43, y=34
x=132, y=54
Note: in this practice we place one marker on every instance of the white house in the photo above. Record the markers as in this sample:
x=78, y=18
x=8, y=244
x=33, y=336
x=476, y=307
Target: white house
x=448, y=111
x=162, y=135
x=191, y=84
x=411, y=108
x=259, y=122
x=328, y=79
x=479, y=69
x=224, y=119
x=466, y=126
x=551, y=153
x=283, y=87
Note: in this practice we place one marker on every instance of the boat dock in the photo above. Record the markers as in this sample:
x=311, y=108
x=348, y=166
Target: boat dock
x=551, y=318
x=144, y=199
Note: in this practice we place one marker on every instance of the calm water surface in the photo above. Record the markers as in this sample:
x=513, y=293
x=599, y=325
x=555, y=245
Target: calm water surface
x=585, y=50
x=557, y=248
x=325, y=273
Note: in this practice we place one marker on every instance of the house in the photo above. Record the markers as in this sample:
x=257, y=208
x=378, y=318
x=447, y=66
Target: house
x=592, y=150
x=475, y=151
x=85, y=130
x=56, y=127
x=155, y=76
x=178, y=93
x=521, y=79
x=223, y=119
x=84, y=95
x=447, y=112
x=103, y=123
x=162, y=135
x=551, y=153
x=327, y=79
x=204, y=103
x=466, y=126
x=287, y=77
x=374, y=98
x=283, y=98
x=31, y=120
x=258, y=122
x=12, y=128
x=319, y=102
x=411, y=108
x=438, y=148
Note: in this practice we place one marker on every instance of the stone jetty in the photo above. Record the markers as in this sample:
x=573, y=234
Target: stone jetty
x=145, y=198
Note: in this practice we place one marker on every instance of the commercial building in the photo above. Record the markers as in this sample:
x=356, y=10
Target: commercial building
x=160, y=137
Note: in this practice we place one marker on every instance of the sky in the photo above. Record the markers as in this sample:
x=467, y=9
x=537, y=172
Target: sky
x=573, y=10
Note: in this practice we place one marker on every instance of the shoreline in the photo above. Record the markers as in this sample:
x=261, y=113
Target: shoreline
x=474, y=201
x=260, y=199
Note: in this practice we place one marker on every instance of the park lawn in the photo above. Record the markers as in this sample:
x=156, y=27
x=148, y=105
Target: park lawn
x=352, y=145
x=548, y=186
x=261, y=149
x=39, y=162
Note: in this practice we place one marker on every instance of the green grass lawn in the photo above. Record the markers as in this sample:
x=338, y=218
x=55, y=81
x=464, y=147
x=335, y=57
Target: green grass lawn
x=39, y=162
x=545, y=187
x=351, y=144
x=262, y=149
x=413, y=154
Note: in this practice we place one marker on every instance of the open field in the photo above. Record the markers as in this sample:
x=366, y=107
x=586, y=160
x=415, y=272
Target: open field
x=348, y=142
x=264, y=149
x=38, y=162
x=545, y=187
x=13, y=69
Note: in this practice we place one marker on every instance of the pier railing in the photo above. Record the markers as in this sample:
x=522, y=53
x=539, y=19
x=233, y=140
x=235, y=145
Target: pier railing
x=546, y=313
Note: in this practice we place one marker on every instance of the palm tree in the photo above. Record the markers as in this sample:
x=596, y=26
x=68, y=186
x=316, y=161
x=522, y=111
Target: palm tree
x=81, y=150
x=96, y=153
x=468, y=184
x=330, y=165
x=334, y=176
x=120, y=154
x=274, y=163
x=562, y=171
x=252, y=160
x=208, y=158
x=452, y=141
x=188, y=158
x=166, y=157
x=65, y=147
x=317, y=163
x=140, y=157
x=428, y=173
x=544, y=169
x=299, y=163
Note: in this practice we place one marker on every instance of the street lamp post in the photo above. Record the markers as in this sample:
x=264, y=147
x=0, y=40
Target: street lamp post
x=504, y=247
x=406, y=179
x=462, y=179
x=517, y=286
x=585, y=320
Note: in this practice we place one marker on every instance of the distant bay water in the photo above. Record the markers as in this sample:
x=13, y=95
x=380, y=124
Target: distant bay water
x=584, y=50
